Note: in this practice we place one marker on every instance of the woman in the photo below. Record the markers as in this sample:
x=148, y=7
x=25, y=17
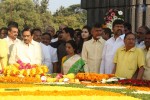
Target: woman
x=85, y=36
x=72, y=63
x=3, y=54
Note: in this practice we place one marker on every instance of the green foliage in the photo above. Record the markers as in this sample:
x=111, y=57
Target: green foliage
x=35, y=13
x=72, y=16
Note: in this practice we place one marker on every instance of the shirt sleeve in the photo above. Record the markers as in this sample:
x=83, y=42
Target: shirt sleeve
x=116, y=56
x=39, y=55
x=102, y=66
x=13, y=55
x=54, y=57
x=84, y=55
x=141, y=58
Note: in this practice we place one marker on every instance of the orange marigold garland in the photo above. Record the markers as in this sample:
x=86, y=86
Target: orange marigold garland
x=92, y=76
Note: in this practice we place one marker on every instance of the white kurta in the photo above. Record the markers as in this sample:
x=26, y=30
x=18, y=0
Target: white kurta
x=49, y=56
x=11, y=43
x=26, y=53
x=92, y=55
x=109, y=51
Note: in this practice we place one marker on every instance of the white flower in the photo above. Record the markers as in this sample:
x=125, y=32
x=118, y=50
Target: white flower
x=120, y=12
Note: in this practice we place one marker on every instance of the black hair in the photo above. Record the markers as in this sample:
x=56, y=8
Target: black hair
x=46, y=33
x=5, y=30
x=97, y=25
x=108, y=31
x=79, y=31
x=35, y=29
x=128, y=34
x=70, y=31
x=26, y=29
x=73, y=44
x=118, y=21
x=127, y=25
x=12, y=24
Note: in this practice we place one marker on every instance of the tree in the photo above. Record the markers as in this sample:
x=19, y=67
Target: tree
x=72, y=16
x=25, y=13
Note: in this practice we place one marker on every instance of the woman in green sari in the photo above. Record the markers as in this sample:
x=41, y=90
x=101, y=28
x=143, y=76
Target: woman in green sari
x=72, y=63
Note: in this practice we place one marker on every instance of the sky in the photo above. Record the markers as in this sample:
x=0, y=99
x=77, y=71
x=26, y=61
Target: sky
x=55, y=4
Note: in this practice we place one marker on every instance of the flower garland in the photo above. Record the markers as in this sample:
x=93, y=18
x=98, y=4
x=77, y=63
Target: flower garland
x=112, y=15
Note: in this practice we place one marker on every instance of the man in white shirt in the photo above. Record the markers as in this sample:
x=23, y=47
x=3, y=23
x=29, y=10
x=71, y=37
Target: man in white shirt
x=28, y=50
x=92, y=50
x=12, y=35
x=49, y=54
x=141, y=31
x=111, y=47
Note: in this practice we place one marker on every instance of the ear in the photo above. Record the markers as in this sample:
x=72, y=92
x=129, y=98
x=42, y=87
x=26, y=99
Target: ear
x=9, y=33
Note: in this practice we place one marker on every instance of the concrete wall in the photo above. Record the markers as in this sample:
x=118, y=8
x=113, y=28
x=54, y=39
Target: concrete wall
x=133, y=11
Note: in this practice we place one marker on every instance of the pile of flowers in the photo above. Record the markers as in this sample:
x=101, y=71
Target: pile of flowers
x=135, y=82
x=93, y=76
x=21, y=69
x=112, y=15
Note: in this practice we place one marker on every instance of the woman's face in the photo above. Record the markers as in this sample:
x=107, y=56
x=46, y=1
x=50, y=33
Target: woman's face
x=85, y=33
x=69, y=49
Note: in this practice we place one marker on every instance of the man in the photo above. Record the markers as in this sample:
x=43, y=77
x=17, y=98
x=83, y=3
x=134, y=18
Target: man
x=49, y=54
x=12, y=35
x=3, y=54
x=28, y=51
x=66, y=35
x=141, y=31
x=51, y=31
x=111, y=47
x=37, y=34
x=146, y=75
x=92, y=50
x=129, y=60
x=3, y=32
x=127, y=27
x=107, y=33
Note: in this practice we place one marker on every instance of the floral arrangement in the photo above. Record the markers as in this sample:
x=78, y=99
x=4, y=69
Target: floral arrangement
x=21, y=69
x=135, y=82
x=112, y=15
x=92, y=76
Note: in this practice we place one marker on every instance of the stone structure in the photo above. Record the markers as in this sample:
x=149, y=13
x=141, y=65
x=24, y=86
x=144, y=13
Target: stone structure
x=136, y=12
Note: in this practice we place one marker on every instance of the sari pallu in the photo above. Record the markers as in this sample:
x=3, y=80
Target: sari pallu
x=73, y=64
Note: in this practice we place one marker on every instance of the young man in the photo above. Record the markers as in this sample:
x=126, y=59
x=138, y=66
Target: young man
x=111, y=47
x=28, y=51
x=129, y=60
x=92, y=50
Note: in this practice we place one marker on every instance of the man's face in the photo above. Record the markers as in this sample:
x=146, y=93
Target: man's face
x=118, y=29
x=46, y=39
x=13, y=33
x=147, y=40
x=37, y=36
x=64, y=35
x=3, y=34
x=97, y=33
x=51, y=31
x=27, y=38
x=140, y=34
x=130, y=41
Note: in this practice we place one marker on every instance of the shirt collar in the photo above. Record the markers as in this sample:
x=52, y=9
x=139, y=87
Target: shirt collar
x=11, y=39
x=132, y=49
x=99, y=40
x=32, y=42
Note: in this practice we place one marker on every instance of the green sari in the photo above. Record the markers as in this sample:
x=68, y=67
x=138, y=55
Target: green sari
x=73, y=64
